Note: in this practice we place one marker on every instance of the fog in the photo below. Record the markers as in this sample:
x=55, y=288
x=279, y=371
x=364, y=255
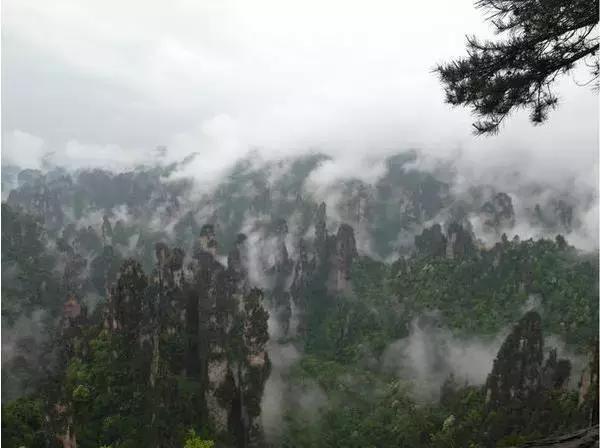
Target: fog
x=281, y=395
x=105, y=83
x=431, y=353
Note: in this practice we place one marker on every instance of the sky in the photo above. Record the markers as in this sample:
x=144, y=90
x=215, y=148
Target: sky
x=104, y=83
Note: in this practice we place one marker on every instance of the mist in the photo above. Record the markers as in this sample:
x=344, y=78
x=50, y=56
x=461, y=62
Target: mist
x=269, y=82
x=431, y=353
x=223, y=79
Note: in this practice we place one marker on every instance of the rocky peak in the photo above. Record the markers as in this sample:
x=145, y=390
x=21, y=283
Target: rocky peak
x=228, y=327
x=557, y=214
x=356, y=205
x=431, y=242
x=498, y=212
x=345, y=253
x=282, y=260
x=208, y=239
x=237, y=261
x=302, y=271
x=517, y=371
x=169, y=264
x=162, y=253
x=127, y=301
x=459, y=242
x=74, y=273
x=321, y=224
x=564, y=213
x=279, y=274
x=321, y=238
x=106, y=230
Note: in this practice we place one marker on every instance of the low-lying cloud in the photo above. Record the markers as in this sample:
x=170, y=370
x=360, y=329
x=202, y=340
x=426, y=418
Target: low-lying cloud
x=431, y=353
x=343, y=78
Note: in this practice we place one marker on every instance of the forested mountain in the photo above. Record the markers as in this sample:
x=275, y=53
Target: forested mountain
x=141, y=310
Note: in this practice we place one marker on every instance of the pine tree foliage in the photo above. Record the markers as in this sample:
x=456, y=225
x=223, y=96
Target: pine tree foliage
x=543, y=39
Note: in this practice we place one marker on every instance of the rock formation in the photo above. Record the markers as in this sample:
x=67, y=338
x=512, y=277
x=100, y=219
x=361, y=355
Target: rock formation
x=589, y=387
x=517, y=371
x=498, y=213
x=431, y=242
x=345, y=254
x=459, y=243
x=280, y=277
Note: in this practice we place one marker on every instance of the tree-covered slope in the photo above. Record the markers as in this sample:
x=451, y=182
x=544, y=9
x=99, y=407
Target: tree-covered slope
x=138, y=311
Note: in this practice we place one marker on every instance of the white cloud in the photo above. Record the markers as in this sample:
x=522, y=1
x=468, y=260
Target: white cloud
x=299, y=73
x=22, y=149
x=104, y=83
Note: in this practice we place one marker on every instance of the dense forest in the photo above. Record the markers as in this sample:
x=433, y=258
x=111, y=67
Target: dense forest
x=138, y=311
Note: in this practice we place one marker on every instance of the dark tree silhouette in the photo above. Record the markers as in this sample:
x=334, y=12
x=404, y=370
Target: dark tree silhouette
x=544, y=38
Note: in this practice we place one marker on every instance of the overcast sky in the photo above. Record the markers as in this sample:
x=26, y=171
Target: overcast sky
x=100, y=80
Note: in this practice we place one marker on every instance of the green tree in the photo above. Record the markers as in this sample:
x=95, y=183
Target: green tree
x=545, y=38
x=23, y=423
x=193, y=440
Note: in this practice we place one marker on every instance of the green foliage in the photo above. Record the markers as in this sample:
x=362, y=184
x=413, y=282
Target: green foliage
x=27, y=268
x=119, y=392
x=476, y=296
x=107, y=396
x=543, y=40
x=23, y=423
x=481, y=296
x=192, y=440
x=363, y=409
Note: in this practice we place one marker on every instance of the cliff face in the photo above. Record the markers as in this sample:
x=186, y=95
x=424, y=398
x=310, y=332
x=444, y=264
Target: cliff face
x=520, y=376
x=238, y=364
x=207, y=239
x=345, y=254
x=557, y=215
x=498, y=213
x=41, y=199
x=517, y=371
x=589, y=387
x=357, y=206
x=459, y=243
x=279, y=274
x=322, y=241
x=304, y=269
x=322, y=269
x=73, y=321
x=333, y=254
x=432, y=242
x=522, y=387
x=201, y=322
